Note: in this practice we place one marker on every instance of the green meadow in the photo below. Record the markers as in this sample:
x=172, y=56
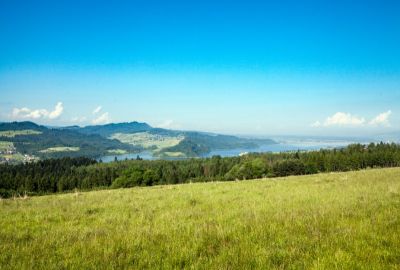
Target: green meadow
x=4, y=145
x=347, y=220
x=148, y=140
x=117, y=151
x=60, y=149
x=13, y=133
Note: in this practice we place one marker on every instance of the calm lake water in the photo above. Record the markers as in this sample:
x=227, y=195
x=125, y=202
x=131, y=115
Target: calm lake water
x=280, y=147
x=144, y=155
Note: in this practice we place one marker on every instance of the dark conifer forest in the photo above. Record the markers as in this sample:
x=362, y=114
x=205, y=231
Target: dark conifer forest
x=67, y=174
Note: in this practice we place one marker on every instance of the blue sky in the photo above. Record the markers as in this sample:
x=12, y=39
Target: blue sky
x=242, y=67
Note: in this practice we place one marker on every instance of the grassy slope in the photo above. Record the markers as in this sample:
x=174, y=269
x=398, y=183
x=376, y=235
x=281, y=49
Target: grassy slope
x=344, y=220
x=147, y=140
x=13, y=133
x=60, y=149
x=5, y=145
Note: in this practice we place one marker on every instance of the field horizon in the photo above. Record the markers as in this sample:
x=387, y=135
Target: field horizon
x=340, y=220
x=199, y=134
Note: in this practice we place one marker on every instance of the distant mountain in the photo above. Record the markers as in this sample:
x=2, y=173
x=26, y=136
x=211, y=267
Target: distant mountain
x=191, y=144
x=198, y=143
x=109, y=129
x=117, y=138
x=32, y=139
x=27, y=125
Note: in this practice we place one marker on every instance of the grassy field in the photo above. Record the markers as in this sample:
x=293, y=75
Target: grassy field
x=60, y=149
x=13, y=133
x=171, y=154
x=5, y=145
x=117, y=151
x=147, y=140
x=14, y=157
x=328, y=221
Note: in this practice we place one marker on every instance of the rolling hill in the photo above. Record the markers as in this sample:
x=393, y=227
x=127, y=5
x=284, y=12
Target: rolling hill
x=31, y=139
x=110, y=129
x=165, y=142
x=348, y=220
x=116, y=138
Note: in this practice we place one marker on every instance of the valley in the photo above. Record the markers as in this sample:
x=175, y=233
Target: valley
x=40, y=142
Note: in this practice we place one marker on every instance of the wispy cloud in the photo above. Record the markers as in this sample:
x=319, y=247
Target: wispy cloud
x=347, y=119
x=381, y=119
x=102, y=119
x=316, y=124
x=58, y=110
x=26, y=113
x=78, y=119
x=168, y=124
x=98, y=117
x=97, y=109
x=343, y=119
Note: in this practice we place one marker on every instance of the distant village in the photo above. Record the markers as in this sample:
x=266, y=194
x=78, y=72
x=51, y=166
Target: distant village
x=10, y=150
x=10, y=155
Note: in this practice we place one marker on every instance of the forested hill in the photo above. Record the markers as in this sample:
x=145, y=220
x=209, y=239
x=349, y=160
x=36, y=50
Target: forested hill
x=42, y=142
x=27, y=125
x=188, y=144
x=196, y=143
x=110, y=129
x=58, y=175
x=31, y=139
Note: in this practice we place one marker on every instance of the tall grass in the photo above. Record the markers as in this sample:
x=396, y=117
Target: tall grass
x=326, y=221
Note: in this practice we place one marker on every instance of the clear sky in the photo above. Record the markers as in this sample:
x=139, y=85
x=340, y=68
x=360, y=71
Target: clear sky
x=242, y=67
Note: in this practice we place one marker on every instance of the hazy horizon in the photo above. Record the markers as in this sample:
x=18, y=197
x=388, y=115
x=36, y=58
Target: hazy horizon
x=245, y=68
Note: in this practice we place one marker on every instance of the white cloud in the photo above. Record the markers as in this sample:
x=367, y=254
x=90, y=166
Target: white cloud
x=381, y=119
x=26, y=113
x=97, y=110
x=347, y=119
x=169, y=124
x=102, y=119
x=316, y=124
x=58, y=110
x=99, y=117
x=78, y=119
x=343, y=119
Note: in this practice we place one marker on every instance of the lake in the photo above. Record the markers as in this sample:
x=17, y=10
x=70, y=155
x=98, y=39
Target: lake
x=283, y=146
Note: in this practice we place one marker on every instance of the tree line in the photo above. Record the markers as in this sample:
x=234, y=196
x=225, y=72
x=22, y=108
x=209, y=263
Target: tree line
x=66, y=174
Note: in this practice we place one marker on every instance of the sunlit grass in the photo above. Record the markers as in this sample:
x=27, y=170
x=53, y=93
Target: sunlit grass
x=148, y=140
x=326, y=221
x=60, y=149
x=13, y=133
x=172, y=154
x=5, y=145
x=117, y=151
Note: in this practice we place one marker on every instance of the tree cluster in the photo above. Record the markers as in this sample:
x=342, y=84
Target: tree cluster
x=59, y=175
